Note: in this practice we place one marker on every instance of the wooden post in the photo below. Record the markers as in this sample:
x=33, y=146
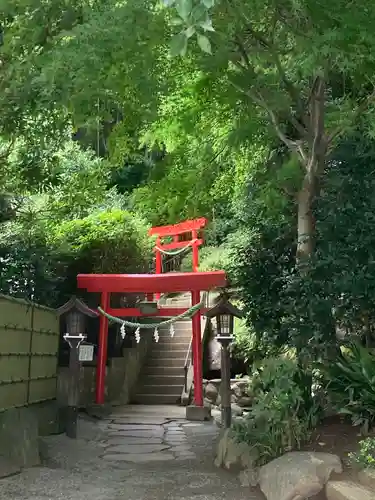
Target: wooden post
x=226, y=409
x=197, y=352
x=73, y=395
x=102, y=351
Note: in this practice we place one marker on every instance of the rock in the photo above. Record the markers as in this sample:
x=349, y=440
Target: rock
x=297, y=475
x=233, y=398
x=232, y=454
x=236, y=410
x=245, y=402
x=237, y=391
x=211, y=393
x=216, y=382
x=19, y=439
x=347, y=490
x=243, y=384
x=367, y=478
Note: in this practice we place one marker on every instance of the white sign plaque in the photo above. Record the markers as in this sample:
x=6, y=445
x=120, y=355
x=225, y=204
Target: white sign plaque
x=86, y=352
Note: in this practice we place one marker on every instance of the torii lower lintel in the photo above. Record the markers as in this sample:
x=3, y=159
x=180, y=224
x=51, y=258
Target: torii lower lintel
x=194, y=282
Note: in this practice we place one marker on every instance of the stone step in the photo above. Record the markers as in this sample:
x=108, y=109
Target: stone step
x=168, y=353
x=162, y=379
x=162, y=370
x=175, y=344
x=157, y=399
x=160, y=389
x=348, y=490
x=164, y=362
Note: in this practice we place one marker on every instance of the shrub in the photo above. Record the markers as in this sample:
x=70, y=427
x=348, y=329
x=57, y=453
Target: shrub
x=351, y=385
x=280, y=418
x=365, y=457
x=244, y=344
x=111, y=241
x=211, y=259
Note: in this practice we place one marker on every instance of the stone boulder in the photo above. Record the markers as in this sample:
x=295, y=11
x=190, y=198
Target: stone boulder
x=297, y=475
x=244, y=401
x=19, y=440
x=211, y=393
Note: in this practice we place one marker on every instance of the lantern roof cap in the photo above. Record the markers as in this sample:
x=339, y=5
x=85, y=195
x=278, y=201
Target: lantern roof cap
x=74, y=303
x=223, y=306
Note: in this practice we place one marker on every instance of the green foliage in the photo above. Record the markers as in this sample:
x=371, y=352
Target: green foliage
x=279, y=419
x=108, y=241
x=365, y=457
x=244, y=346
x=351, y=385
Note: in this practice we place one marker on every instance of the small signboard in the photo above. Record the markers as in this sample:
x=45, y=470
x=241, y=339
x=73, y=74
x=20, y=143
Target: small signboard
x=86, y=352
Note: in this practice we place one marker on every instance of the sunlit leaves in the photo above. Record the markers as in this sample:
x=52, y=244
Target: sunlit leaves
x=179, y=44
x=204, y=43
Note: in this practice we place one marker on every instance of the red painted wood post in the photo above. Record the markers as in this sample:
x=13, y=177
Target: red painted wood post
x=195, y=252
x=158, y=262
x=102, y=351
x=197, y=351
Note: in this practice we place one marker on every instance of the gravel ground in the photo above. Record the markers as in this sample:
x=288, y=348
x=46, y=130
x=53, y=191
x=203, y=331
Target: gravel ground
x=78, y=470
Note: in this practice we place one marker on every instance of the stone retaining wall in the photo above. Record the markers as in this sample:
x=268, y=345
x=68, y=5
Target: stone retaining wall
x=239, y=388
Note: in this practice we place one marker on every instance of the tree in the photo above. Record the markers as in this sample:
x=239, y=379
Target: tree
x=308, y=68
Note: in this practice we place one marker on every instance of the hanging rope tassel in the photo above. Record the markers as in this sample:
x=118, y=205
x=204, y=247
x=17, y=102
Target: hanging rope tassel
x=171, y=331
x=156, y=335
x=123, y=331
x=138, y=335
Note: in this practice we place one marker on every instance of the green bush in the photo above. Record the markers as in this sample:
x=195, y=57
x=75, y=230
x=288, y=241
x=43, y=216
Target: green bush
x=111, y=241
x=280, y=418
x=365, y=457
x=210, y=259
x=351, y=385
x=244, y=344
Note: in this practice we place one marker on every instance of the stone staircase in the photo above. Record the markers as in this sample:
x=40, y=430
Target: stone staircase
x=361, y=487
x=162, y=377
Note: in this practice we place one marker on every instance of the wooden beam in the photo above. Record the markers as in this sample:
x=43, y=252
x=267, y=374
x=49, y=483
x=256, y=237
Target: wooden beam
x=152, y=283
x=182, y=227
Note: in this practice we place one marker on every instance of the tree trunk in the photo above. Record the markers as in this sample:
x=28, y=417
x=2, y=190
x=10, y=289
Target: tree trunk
x=306, y=221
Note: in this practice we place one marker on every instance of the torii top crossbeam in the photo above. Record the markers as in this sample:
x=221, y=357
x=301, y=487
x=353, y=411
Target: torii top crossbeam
x=180, y=228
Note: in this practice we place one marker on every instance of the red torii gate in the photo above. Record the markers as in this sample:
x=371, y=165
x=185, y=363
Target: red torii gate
x=175, y=231
x=106, y=284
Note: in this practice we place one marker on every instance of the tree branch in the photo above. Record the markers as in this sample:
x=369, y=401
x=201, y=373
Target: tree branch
x=258, y=99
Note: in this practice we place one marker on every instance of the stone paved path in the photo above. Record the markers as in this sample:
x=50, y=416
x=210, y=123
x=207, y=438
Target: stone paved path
x=147, y=434
x=139, y=453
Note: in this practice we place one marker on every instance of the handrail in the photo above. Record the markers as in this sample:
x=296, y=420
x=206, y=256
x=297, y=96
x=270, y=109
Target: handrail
x=188, y=363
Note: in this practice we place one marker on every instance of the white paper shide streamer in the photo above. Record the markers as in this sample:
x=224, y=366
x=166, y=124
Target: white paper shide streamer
x=138, y=335
x=123, y=331
x=156, y=335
